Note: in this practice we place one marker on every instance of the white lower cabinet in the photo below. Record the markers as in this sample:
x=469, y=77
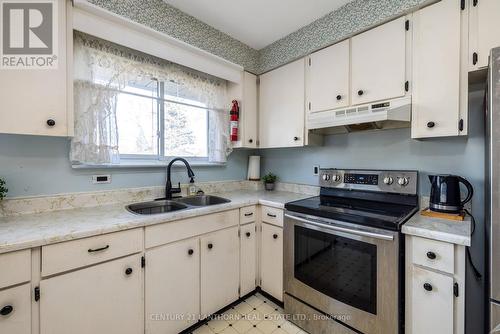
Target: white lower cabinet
x=248, y=258
x=106, y=298
x=271, y=260
x=219, y=269
x=15, y=310
x=172, y=294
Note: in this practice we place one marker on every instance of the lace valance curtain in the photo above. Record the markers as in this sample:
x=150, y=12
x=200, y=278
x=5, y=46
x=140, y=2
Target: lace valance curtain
x=102, y=69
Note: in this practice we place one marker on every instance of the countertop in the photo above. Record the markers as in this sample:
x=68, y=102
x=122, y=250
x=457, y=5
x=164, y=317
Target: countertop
x=456, y=232
x=34, y=230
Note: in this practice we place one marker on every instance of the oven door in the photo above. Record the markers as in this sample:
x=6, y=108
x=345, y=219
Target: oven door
x=347, y=271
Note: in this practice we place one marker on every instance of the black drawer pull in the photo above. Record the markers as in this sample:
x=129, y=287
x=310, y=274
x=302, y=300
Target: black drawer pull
x=431, y=255
x=360, y=92
x=128, y=271
x=210, y=246
x=6, y=310
x=248, y=214
x=51, y=122
x=295, y=138
x=98, y=249
x=275, y=236
x=427, y=287
x=431, y=124
x=271, y=215
x=248, y=234
x=339, y=97
x=190, y=252
x=250, y=141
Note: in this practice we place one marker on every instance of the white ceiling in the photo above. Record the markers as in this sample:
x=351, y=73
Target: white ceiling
x=257, y=23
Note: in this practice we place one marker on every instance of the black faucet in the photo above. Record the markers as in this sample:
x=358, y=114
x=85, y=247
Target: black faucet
x=168, y=188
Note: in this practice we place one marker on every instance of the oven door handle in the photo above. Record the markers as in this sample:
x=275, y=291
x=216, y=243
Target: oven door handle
x=343, y=229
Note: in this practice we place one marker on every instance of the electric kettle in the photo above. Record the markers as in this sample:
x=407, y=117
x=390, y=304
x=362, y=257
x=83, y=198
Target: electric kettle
x=445, y=193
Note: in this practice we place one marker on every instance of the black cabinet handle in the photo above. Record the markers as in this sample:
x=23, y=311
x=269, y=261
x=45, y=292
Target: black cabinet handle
x=270, y=215
x=190, y=252
x=250, y=141
x=295, y=138
x=51, y=122
x=275, y=236
x=128, y=271
x=6, y=310
x=98, y=249
x=339, y=97
x=431, y=255
x=427, y=287
x=248, y=214
x=248, y=234
x=360, y=92
x=431, y=124
x=210, y=246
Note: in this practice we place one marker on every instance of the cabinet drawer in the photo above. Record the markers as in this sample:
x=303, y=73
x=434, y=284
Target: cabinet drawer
x=272, y=216
x=247, y=214
x=433, y=254
x=15, y=268
x=80, y=253
x=17, y=303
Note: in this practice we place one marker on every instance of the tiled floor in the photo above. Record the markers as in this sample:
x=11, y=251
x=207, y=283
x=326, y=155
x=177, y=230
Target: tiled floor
x=255, y=315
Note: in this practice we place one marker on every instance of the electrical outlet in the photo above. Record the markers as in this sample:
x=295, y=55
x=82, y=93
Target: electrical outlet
x=101, y=179
x=316, y=170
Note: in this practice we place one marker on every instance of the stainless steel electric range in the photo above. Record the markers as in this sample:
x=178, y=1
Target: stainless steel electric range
x=344, y=252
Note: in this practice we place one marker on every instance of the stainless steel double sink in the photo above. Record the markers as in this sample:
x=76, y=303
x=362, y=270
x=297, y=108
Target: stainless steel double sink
x=164, y=206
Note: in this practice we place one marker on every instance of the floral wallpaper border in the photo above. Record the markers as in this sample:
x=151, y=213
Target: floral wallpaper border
x=346, y=21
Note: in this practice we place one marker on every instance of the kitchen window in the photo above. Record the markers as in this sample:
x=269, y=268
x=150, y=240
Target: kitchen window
x=136, y=109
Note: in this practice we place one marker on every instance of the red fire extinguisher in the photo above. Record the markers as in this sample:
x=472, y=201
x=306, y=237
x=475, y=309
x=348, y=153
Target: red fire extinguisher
x=235, y=115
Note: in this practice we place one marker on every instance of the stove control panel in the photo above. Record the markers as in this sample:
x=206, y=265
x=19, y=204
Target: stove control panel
x=402, y=182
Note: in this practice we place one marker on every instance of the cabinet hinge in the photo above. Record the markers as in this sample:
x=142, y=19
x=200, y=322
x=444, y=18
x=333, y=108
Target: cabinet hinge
x=407, y=86
x=461, y=125
x=239, y=233
x=309, y=61
x=37, y=293
x=462, y=4
x=309, y=105
x=143, y=261
x=455, y=289
x=474, y=58
x=407, y=25
x=258, y=80
x=474, y=2
x=255, y=228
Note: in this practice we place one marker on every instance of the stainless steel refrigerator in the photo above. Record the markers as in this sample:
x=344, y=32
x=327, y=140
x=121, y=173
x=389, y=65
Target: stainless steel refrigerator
x=493, y=186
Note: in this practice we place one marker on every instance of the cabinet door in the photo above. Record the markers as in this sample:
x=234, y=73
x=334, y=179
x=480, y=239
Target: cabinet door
x=484, y=31
x=15, y=304
x=271, y=260
x=378, y=60
x=281, y=106
x=248, y=258
x=436, y=70
x=30, y=97
x=219, y=270
x=431, y=302
x=106, y=298
x=172, y=287
x=328, y=78
x=249, y=110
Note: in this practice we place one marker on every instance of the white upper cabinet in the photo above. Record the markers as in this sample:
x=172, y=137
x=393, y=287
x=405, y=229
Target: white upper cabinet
x=281, y=106
x=38, y=101
x=436, y=99
x=378, y=63
x=327, y=78
x=484, y=31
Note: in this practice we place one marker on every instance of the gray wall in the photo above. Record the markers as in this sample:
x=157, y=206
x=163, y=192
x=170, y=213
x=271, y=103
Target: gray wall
x=393, y=149
x=35, y=165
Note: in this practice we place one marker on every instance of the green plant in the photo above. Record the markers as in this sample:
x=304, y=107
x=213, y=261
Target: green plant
x=3, y=190
x=269, y=178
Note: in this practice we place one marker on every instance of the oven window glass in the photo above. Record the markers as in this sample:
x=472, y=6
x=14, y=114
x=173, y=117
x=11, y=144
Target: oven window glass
x=342, y=268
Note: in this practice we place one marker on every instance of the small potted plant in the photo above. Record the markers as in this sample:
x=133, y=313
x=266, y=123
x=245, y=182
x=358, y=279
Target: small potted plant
x=3, y=189
x=269, y=180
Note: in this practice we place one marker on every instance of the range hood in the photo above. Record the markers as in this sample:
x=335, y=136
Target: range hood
x=390, y=114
